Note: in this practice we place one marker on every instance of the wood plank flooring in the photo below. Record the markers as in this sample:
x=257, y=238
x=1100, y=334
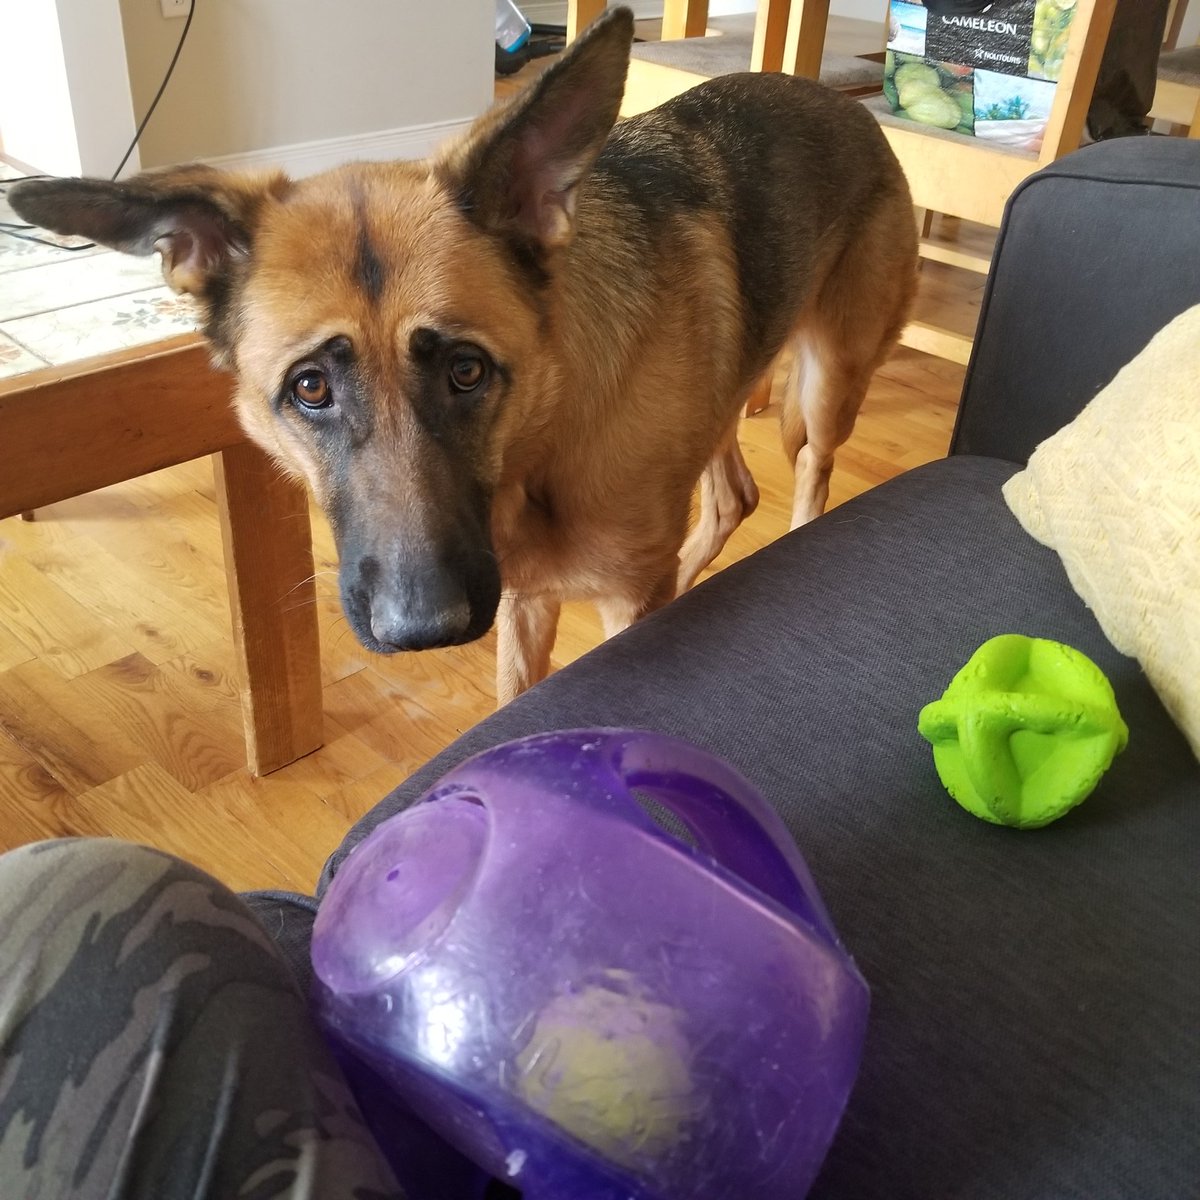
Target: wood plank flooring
x=118, y=713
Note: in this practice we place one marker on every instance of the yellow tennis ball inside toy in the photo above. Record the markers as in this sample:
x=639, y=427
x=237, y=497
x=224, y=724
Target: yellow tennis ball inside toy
x=611, y=1067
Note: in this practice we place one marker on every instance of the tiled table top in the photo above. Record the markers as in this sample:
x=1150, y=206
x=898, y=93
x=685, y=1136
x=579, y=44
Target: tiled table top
x=68, y=301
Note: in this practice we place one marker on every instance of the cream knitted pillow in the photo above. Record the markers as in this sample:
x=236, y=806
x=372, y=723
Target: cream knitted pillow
x=1117, y=494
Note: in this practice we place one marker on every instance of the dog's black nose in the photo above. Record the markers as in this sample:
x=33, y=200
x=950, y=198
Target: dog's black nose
x=408, y=620
x=419, y=605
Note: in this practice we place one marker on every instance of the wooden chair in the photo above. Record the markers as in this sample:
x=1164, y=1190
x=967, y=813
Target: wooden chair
x=660, y=70
x=948, y=173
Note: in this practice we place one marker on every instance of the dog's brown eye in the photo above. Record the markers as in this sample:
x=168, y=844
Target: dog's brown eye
x=466, y=372
x=312, y=390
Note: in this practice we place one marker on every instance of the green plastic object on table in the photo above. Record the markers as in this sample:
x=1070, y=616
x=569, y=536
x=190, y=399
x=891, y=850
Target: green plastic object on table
x=1024, y=731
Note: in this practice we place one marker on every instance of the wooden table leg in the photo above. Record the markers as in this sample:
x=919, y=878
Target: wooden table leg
x=269, y=564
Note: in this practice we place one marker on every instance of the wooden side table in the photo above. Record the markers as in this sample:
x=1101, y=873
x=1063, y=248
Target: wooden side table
x=103, y=378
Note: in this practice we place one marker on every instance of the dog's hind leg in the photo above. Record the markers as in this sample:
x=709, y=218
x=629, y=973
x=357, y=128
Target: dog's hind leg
x=821, y=404
x=847, y=331
x=618, y=612
x=728, y=495
x=525, y=630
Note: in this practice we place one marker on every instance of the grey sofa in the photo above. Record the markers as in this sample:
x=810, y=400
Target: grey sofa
x=1035, y=1026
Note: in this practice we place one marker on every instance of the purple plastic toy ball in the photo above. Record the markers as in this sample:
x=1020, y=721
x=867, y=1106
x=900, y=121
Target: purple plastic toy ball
x=583, y=1004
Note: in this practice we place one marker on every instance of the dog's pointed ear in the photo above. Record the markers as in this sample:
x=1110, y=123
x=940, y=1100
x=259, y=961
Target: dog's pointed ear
x=198, y=218
x=517, y=172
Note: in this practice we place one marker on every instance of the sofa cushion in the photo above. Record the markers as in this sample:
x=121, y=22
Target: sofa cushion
x=1117, y=494
x=1034, y=992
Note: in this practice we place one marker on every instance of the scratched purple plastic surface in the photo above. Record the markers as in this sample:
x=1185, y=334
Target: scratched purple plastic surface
x=531, y=874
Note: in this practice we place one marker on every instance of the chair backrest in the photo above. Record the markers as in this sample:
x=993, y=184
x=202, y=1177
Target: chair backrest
x=1096, y=253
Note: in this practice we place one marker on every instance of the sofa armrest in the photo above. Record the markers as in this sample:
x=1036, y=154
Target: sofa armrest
x=1097, y=252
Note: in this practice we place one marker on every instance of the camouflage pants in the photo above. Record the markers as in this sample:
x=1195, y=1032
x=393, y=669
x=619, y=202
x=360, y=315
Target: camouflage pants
x=154, y=1044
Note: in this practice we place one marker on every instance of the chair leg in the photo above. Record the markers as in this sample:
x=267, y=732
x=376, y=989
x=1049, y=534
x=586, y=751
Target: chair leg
x=580, y=14
x=770, y=35
x=684, y=19
x=805, y=42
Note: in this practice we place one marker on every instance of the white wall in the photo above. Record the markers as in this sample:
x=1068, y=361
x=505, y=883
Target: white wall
x=36, y=121
x=259, y=75
x=64, y=87
x=94, y=52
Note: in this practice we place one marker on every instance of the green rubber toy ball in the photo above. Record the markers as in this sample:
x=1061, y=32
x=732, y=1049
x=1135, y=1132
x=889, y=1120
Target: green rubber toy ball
x=1024, y=731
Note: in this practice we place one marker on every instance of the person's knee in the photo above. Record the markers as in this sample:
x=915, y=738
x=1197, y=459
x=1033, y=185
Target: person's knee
x=84, y=898
x=48, y=860
x=142, y=1006
x=96, y=874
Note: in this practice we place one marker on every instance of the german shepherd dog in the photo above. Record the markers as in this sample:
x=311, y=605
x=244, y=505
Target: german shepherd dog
x=502, y=371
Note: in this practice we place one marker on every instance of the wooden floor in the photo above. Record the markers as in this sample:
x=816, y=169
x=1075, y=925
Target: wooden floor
x=118, y=713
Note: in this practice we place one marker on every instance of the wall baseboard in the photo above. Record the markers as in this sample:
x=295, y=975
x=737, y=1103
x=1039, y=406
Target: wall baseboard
x=307, y=158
